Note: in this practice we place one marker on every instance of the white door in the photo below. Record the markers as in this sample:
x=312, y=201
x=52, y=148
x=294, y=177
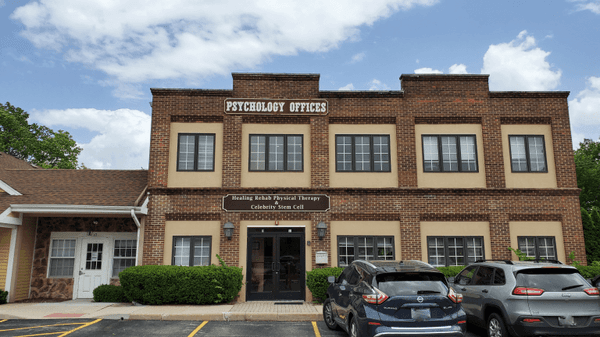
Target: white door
x=93, y=267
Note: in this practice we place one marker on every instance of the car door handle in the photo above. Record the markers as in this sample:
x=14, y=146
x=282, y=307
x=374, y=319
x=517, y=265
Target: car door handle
x=463, y=289
x=485, y=291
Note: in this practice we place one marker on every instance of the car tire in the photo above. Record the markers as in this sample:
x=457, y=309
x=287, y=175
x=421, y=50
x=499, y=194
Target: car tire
x=496, y=326
x=328, y=315
x=354, y=330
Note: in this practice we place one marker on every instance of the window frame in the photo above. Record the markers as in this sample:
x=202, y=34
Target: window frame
x=50, y=257
x=371, y=153
x=458, y=152
x=527, y=156
x=119, y=258
x=536, y=245
x=191, y=256
x=196, y=135
x=285, y=151
x=355, y=242
x=446, y=247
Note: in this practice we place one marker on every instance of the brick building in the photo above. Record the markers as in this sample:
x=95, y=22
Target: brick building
x=279, y=177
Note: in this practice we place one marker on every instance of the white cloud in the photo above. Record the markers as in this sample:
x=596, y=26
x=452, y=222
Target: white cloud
x=458, y=69
x=358, y=57
x=376, y=85
x=2, y=3
x=122, y=138
x=585, y=5
x=584, y=110
x=519, y=65
x=137, y=40
x=428, y=71
x=347, y=87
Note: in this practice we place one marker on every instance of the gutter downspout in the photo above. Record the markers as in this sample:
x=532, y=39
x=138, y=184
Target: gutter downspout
x=137, y=243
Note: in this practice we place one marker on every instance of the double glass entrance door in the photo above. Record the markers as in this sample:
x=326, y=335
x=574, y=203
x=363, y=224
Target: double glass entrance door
x=275, y=265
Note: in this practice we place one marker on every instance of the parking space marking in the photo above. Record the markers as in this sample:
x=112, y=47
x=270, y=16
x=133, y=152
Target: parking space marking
x=40, y=326
x=4, y=320
x=317, y=333
x=62, y=333
x=198, y=329
x=81, y=327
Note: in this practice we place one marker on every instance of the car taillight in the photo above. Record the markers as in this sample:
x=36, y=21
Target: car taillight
x=377, y=298
x=454, y=296
x=523, y=291
x=532, y=320
x=592, y=291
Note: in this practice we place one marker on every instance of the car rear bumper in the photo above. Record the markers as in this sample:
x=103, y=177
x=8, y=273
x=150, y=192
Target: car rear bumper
x=450, y=331
x=521, y=328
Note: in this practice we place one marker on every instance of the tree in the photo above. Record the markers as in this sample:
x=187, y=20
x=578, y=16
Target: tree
x=587, y=162
x=35, y=143
x=591, y=230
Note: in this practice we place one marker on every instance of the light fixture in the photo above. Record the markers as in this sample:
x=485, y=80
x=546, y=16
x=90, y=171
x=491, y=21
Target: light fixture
x=95, y=222
x=321, y=229
x=228, y=228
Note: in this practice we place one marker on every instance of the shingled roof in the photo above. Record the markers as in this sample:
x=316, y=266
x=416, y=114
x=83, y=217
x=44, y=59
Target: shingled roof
x=9, y=162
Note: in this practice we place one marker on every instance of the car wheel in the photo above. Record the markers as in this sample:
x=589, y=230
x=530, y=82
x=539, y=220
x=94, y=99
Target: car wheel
x=496, y=327
x=328, y=315
x=354, y=331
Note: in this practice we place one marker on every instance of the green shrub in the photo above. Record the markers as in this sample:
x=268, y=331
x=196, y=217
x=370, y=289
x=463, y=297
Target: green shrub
x=451, y=271
x=589, y=272
x=3, y=296
x=316, y=281
x=109, y=293
x=181, y=285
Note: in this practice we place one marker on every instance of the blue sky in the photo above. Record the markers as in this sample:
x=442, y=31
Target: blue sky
x=87, y=66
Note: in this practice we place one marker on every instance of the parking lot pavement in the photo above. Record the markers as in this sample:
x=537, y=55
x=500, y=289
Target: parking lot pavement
x=106, y=328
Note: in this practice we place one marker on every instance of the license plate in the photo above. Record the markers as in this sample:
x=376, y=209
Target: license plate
x=566, y=321
x=420, y=314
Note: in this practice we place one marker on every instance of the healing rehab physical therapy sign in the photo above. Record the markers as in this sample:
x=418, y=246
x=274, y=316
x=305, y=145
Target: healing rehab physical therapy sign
x=276, y=106
x=276, y=203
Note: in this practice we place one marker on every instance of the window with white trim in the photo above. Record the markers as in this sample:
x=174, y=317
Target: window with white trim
x=527, y=153
x=124, y=255
x=362, y=153
x=191, y=250
x=196, y=152
x=62, y=258
x=458, y=153
x=538, y=247
x=352, y=248
x=276, y=153
x=454, y=250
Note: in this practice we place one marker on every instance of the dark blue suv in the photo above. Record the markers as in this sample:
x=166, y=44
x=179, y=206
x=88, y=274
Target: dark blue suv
x=393, y=298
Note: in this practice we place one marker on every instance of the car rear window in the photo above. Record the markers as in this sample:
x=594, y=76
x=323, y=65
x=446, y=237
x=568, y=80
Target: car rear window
x=551, y=279
x=402, y=284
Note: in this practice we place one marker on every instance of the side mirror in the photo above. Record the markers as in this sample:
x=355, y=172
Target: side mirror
x=331, y=279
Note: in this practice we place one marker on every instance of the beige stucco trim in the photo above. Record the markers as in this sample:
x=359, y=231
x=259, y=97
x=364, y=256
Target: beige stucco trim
x=275, y=179
x=538, y=228
x=447, y=228
x=360, y=228
x=192, y=228
x=196, y=179
x=363, y=179
x=450, y=180
x=532, y=179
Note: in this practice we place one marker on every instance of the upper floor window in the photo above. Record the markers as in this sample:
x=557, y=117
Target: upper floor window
x=538, y=247
x=527, y=153
x=196, y=152
x=458, y=153
x=362, y=153
x=276, y=153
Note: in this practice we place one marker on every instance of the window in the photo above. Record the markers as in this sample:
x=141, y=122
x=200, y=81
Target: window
x=484, y=276
x=362, y=153
x=464, y=277
x=527, y=154
x=191, y=250
x=352, y=248
x=454, y=251
x=276, y=153
x=459, y=153
x=538, y=247
x=62, y=258
x=196, y=152
x=124, y=255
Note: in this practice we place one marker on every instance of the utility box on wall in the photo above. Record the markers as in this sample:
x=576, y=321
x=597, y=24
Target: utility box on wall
x=321, y=257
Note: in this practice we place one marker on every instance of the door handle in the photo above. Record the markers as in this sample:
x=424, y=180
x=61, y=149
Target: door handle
x=463, y=289
x=485, y=291
x=273, y=266
x=278, y=266
x=81, y=273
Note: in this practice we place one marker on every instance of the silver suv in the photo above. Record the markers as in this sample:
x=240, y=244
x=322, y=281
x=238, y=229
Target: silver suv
x=528, y=298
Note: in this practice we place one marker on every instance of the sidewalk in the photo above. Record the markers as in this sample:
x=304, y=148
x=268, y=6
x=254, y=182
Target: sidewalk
x=85, y=308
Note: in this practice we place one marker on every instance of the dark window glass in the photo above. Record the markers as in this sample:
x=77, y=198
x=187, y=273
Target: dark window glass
x=454, y=251
x=465, y=276
x=527, y=154
x=276, y=153
x=352, y=248
x=362, y=153
x=538, y=247
x=196, y=152
x=403, y=284
x=551, y=279
x=499, y=277
x=484, y=276
x=458, y=153
x=354, y=277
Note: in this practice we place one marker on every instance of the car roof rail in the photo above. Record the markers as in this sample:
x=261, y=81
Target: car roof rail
x=543, y=261
x=505, y=261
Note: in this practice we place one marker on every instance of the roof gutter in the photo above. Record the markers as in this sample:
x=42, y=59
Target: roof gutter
x=137, y=242
x=79, y=209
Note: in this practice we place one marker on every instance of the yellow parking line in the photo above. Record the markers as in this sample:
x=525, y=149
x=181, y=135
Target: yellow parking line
x=42, y=334
x=317, y=333
x=198, y=329
x=4, y=320
x=81, y=327
x=41, y=326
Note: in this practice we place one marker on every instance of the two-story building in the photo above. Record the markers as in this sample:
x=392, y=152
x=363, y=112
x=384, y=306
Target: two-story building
x=280, y=177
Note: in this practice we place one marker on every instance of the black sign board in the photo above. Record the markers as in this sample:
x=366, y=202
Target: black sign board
x=276, y=203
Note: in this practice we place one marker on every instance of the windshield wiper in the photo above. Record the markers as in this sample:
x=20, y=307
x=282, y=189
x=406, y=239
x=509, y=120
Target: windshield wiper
x=571, y=287
x=420, y=292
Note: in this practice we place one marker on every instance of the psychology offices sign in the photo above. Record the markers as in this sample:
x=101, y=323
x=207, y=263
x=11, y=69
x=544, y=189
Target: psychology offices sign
x=276, y=106
x=276, y=203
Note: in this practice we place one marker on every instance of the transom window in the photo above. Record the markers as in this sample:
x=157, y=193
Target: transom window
x=62, y=258
x=352, y=248
x=276, y=153
x=527, y=153
x=454, y=251
x=124, y=255
x=191, y=250
x=362, y=153
x=538, y=247
x=458, y=153
x=196, y=152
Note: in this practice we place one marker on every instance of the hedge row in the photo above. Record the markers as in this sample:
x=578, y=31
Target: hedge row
x=181, y=285
x=3, y=296
x=110, y=293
